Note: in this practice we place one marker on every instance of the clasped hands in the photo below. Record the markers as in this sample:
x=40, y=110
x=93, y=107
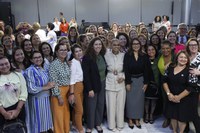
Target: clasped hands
x=11, y=114
x=174, y=98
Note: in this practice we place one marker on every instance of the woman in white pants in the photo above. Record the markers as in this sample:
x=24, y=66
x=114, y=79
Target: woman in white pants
x=115, y=87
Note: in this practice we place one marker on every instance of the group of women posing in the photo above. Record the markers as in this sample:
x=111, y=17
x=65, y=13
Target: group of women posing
x=124, y=75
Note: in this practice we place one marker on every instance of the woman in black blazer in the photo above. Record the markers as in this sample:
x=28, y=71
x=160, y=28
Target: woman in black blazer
x=94, y=74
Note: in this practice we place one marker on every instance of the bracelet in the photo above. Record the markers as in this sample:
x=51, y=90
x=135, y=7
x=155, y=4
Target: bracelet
x=168, y=93
x=71, y=94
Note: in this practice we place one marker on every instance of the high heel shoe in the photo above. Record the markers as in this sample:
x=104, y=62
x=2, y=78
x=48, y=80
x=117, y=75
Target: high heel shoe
x=151, y=120
x=99, y=129
x=146, y=119
x=130, y=124
x=138, y=125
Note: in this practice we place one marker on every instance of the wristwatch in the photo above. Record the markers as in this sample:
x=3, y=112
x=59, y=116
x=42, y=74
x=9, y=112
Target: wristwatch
x=168, y=93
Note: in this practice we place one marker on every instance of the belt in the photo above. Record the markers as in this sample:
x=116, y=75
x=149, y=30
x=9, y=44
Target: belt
x=137, y=75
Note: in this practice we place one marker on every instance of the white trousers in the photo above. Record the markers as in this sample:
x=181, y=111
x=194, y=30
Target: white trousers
x=115, y=103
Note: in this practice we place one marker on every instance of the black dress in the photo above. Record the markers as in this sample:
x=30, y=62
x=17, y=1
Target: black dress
x=178, y=83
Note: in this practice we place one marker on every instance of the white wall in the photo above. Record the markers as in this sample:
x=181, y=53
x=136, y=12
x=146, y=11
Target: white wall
x=120, y=11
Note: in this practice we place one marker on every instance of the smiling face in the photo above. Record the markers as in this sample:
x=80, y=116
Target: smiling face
x=78, y=53
x=19, y=56
x=193, y=47
x=136, y=45
x=155, y=39
x=62, y=52
x=166, y=49
x=115, y=46
x=151, y=51
x=182, y=59
x=97, y=46
x=133, y=34
x=7, y=42
x=4, y=66
x=122, y=40
x=28, y=46
x=37, y=59
x=46, y=50
x=172, y=38
x=36, y=40
x=161, y=34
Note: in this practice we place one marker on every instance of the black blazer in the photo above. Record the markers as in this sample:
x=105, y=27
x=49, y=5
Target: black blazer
x=91, y=77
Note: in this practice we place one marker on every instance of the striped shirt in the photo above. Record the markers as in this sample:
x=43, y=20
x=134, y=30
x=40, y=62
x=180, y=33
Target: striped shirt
x=36, y=78
x=60, y=74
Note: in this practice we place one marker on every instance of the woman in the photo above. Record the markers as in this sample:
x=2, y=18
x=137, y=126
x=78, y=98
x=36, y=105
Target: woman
x=177, y=92
x=115, y=87
x=13, y=93
x=145, y=32
x=166, y=23
x=124, y=41
x=156, y=23
x=151, y=94
x=161, y=34
x=51, y=36
x=133, y=34
x=8, y=46
x=114, y=28
x=76, y=87
x=109, y=38
x=83, y=41
x=172, y=37
x=128, y=28
x=19, y=62
x=73, y=35
x=37, y=78
x=93, y=29
x=73, y=23
x=143, y=40
x=94, y=73
x=27, y=47
x=136, y=67
x=35, y=41
x=192, y=33
x=46, y=51
x=64, y=26
x=19, y=39
x=59, y=72
x=164, y=59
x=64, y=40
x=155, y=41
x=192, y=47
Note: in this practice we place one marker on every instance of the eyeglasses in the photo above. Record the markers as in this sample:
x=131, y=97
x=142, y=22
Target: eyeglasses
x=37, y=57
x=193, y=45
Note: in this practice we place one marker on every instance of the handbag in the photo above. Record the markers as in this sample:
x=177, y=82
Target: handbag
x=152, y=89
x=14, y=126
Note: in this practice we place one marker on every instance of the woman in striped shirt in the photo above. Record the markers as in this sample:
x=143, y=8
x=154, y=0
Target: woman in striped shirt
x=38, y=84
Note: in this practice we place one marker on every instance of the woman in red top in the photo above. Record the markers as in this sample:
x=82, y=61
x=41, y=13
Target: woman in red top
x=64, y=26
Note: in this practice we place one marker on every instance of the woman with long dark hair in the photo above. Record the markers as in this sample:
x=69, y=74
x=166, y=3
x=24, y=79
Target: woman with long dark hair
x=94, y=73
